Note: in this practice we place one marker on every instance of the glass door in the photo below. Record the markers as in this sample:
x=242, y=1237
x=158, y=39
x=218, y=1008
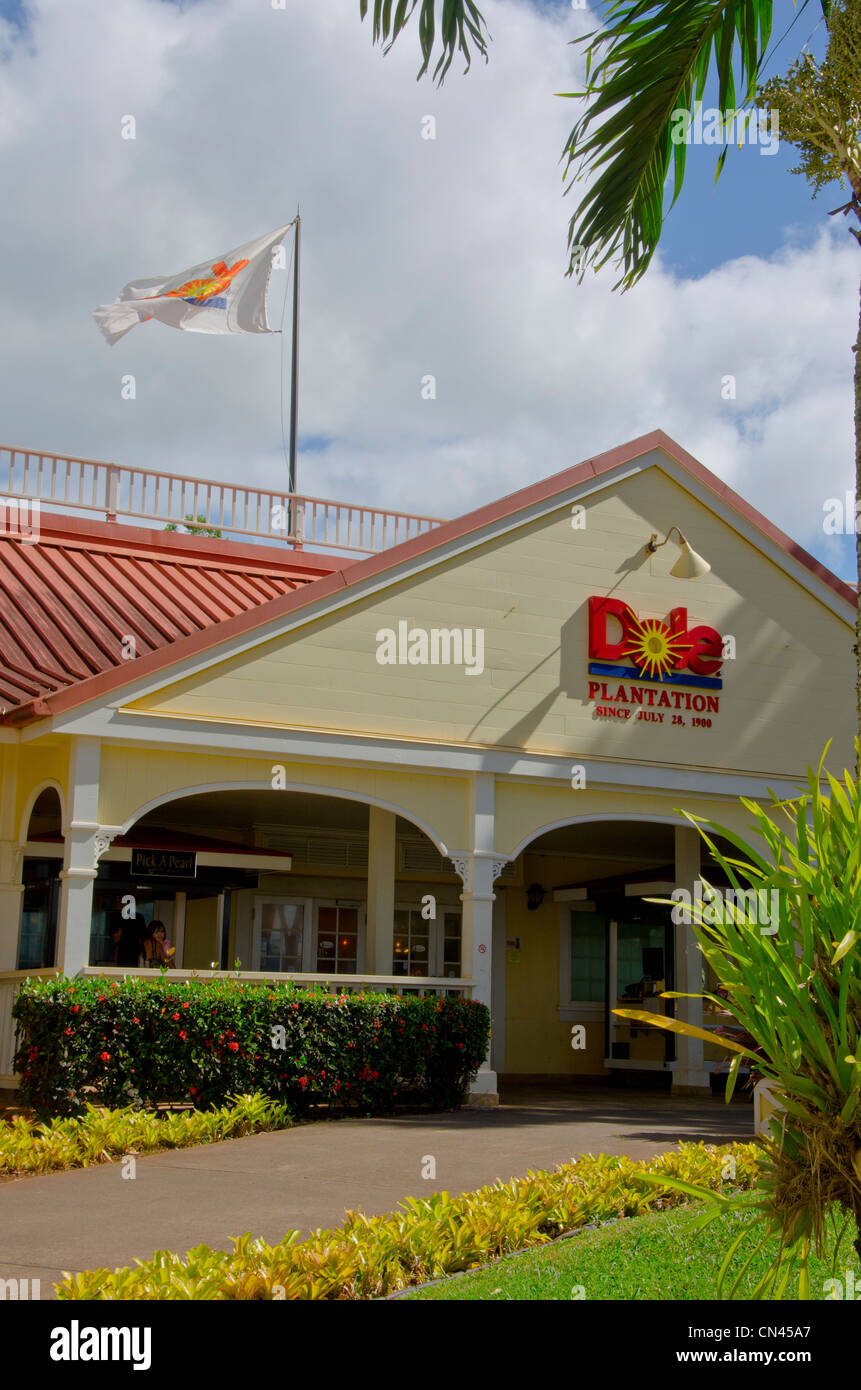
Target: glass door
x=338, y=938
x=280, y=935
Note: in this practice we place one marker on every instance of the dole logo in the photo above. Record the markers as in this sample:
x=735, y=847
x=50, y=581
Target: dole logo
x=669, y=652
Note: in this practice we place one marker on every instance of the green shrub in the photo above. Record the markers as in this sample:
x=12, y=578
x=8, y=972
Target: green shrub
x=135, y=1042
x=371, y=1256
x=101, y=1136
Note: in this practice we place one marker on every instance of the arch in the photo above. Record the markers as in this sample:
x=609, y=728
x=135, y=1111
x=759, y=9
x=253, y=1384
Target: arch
x=49, y=783
x=617, y=817
x=333, y=792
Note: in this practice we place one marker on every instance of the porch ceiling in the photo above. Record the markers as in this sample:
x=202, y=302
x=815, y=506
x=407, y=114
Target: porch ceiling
x=222, y=810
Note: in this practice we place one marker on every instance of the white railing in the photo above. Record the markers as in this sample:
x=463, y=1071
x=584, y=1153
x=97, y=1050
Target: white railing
x=145, y=494
x=10, y=982
x=332, y=984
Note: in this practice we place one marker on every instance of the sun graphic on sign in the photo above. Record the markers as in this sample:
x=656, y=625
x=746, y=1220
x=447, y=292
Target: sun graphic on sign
x=654, y=648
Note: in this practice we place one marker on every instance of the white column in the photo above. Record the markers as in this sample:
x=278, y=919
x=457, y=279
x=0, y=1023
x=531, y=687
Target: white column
x=11, y=862
x=85, y=841
x=690, y=1075
x=478, y=869
x=380, y=918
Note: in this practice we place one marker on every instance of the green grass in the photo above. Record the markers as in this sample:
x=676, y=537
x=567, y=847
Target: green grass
x=658, y=1256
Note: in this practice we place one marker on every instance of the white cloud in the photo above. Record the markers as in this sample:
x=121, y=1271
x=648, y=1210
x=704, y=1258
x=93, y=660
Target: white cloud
x=440, y=256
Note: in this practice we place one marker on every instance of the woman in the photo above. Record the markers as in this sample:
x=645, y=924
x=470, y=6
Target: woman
x=157, y=949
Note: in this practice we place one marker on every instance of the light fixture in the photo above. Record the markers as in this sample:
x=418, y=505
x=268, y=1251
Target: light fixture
x=689, y=565
x=534, y=896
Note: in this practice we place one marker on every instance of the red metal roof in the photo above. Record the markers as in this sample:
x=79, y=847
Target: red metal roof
x=70, y=598
x=331, y=576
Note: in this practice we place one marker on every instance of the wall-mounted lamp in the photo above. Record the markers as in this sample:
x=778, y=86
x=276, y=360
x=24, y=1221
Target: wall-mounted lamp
x=535, y=895
x=689, y=565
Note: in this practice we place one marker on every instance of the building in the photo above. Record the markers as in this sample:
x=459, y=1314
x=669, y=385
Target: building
x=461, y=762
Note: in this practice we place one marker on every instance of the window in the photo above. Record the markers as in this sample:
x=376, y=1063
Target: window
x=588, y=956
x=337, y=940
x=282, y=935
x=36, y=944
x=451, y=923
x=427, y=947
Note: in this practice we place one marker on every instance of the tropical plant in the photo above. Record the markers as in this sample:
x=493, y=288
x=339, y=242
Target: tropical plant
x=102, y=1136
x=427, y=1238
x=796, y=991
x=461, y=22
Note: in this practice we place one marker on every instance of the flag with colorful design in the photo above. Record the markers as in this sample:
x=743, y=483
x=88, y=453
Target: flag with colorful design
x=226, y=294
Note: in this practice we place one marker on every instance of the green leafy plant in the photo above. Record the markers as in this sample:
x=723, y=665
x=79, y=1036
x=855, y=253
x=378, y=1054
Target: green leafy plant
x=142, y=1041
x=427, y=1238
x=797, y=993
x=102, y=1136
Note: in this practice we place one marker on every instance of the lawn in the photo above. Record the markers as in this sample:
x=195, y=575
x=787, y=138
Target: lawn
x=659, y=1256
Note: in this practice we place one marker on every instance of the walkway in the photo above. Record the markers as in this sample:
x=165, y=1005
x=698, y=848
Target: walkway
x=305, y=1177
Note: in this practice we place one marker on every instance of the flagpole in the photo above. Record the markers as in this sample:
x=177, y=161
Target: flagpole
x=294, y=375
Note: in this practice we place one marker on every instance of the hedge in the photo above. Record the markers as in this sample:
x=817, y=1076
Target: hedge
x=429, y=1237
x=138, y=1042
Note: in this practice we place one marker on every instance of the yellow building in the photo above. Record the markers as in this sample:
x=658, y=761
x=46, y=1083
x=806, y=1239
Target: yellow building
x=459, y=763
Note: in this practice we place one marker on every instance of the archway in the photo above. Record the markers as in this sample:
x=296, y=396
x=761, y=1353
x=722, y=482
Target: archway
x=286, y=880
x=583, y=938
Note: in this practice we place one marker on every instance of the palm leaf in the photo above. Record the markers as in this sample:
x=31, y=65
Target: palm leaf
x=461, y=24
x=646, y=71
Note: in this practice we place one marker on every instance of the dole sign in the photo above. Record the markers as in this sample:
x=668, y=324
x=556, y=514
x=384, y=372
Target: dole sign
x=670, y=652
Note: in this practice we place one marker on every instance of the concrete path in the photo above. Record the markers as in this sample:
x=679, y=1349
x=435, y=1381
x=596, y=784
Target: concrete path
x=306, y=1177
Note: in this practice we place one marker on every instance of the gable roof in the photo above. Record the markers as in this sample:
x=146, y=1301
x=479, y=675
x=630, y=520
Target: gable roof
x=73, y=595
x=308, y=579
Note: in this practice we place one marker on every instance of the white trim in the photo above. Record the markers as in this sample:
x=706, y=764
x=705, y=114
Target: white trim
x=570, y=895
x=337, y=748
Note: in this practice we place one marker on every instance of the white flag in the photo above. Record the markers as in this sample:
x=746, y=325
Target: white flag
x=224, y=295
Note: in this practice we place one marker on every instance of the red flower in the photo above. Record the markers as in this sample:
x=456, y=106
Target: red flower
x=135, y=1020
x=105, y=1056
x=234, y=1046
x=193, y=1090
x=186, y=1005
x=303, y=1082
x=75, y=1008
x=182, y=1033
x=175, y=1017
x=68, y=1032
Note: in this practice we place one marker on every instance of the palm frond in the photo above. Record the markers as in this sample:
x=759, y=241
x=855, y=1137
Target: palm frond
x=461, y=24
x=646, y=71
